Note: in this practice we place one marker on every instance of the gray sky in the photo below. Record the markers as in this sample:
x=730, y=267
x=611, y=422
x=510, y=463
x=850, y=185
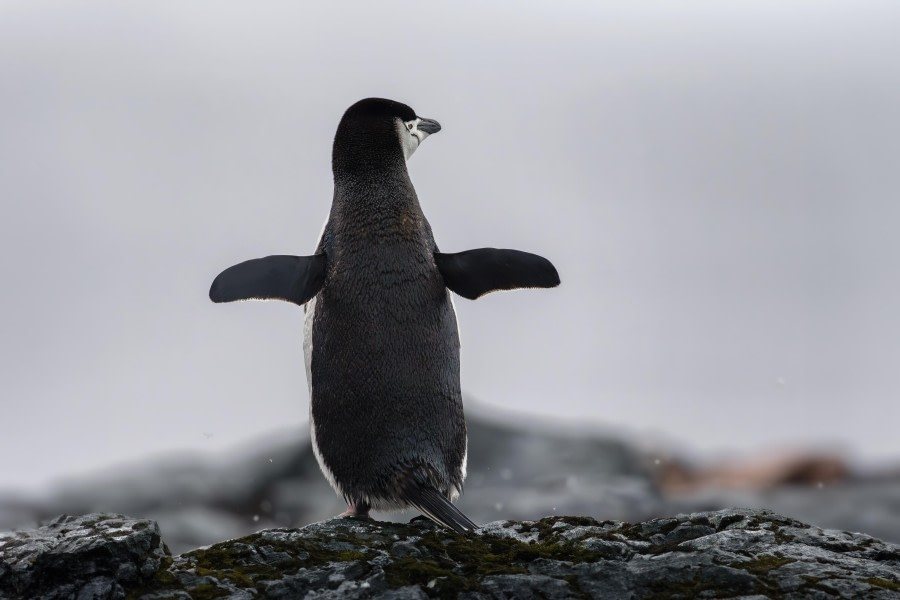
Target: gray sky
x=717, y=184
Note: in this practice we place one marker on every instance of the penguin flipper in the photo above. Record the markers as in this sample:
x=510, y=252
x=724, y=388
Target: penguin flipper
x=437, y=508
x=474, y=273
x=291, y=278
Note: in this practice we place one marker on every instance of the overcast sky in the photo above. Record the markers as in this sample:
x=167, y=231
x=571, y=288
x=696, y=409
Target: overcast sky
x=717, y=184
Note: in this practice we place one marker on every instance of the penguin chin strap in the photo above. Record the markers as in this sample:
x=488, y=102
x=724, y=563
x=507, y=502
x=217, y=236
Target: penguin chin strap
x=409, y=139
x=413, y=133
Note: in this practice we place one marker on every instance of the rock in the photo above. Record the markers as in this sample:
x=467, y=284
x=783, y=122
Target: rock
x=517, y=471
x=868, y=506
x=520, y=473
x=93, y=556
x=735, y=553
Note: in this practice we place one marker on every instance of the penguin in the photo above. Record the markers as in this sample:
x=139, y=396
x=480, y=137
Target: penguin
x=381, y=338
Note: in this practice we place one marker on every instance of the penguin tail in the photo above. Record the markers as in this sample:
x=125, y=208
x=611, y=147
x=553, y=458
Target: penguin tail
x=439, y=509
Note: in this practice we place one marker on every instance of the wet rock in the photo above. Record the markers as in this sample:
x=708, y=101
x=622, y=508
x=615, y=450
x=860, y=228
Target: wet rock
x=520, y=473
x=517, y=470
x=731, y=553
x=92, y=556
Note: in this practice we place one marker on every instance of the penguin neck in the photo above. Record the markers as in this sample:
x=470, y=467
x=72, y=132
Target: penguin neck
x=355, y=170
x=375, y=196
x=356, y=158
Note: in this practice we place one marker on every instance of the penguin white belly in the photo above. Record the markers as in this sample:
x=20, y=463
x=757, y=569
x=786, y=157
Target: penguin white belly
x=455, y=491
x=310, y=310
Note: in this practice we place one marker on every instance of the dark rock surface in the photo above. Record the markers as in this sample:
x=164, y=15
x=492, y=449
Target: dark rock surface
x=730, y=553
x=517, y=471
x=872, y=507
x=94, y=556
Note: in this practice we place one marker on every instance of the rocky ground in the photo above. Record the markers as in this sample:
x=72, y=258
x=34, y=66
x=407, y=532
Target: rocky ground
x=729, y=553
x=516, y=471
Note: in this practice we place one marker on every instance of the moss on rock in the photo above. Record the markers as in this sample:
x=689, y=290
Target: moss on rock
x=719, y=554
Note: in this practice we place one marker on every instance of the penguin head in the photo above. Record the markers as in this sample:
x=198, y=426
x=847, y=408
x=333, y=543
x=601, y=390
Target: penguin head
x=376, y=132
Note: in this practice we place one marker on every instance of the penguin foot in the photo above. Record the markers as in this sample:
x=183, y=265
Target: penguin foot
x=356, y=511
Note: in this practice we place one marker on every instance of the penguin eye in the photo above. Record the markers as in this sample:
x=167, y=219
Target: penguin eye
x=409, y=126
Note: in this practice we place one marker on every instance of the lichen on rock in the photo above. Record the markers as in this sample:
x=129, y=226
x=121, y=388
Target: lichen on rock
x=92, y=556
x=728, y=553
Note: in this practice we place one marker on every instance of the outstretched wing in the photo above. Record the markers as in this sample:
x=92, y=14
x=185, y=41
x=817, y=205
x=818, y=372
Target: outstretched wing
x=281, y=277
x=474, y=273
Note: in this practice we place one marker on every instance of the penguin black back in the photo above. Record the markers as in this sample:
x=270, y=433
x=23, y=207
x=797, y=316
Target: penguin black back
x=382, y=347
x=381, y=341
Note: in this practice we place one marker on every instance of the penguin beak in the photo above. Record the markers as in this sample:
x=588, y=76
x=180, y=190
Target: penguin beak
x=418, y=129
x=429, y=126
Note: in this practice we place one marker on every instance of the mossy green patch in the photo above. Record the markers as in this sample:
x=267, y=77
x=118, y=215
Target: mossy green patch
x=458, y=563
x=236, y=577
x=550, y=526
x=781, y=536
x=238, y=563
x=449, y=564
x=208, y=591
x=576, y=521
x=762, y=564
x=683, y=590
x=574, y=586
x=416, y=571
x=883, y=583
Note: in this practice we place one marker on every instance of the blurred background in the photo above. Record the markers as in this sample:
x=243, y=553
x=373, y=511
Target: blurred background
x=717, y=184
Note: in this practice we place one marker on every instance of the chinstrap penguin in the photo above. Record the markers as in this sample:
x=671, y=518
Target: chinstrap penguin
x=381, y=341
